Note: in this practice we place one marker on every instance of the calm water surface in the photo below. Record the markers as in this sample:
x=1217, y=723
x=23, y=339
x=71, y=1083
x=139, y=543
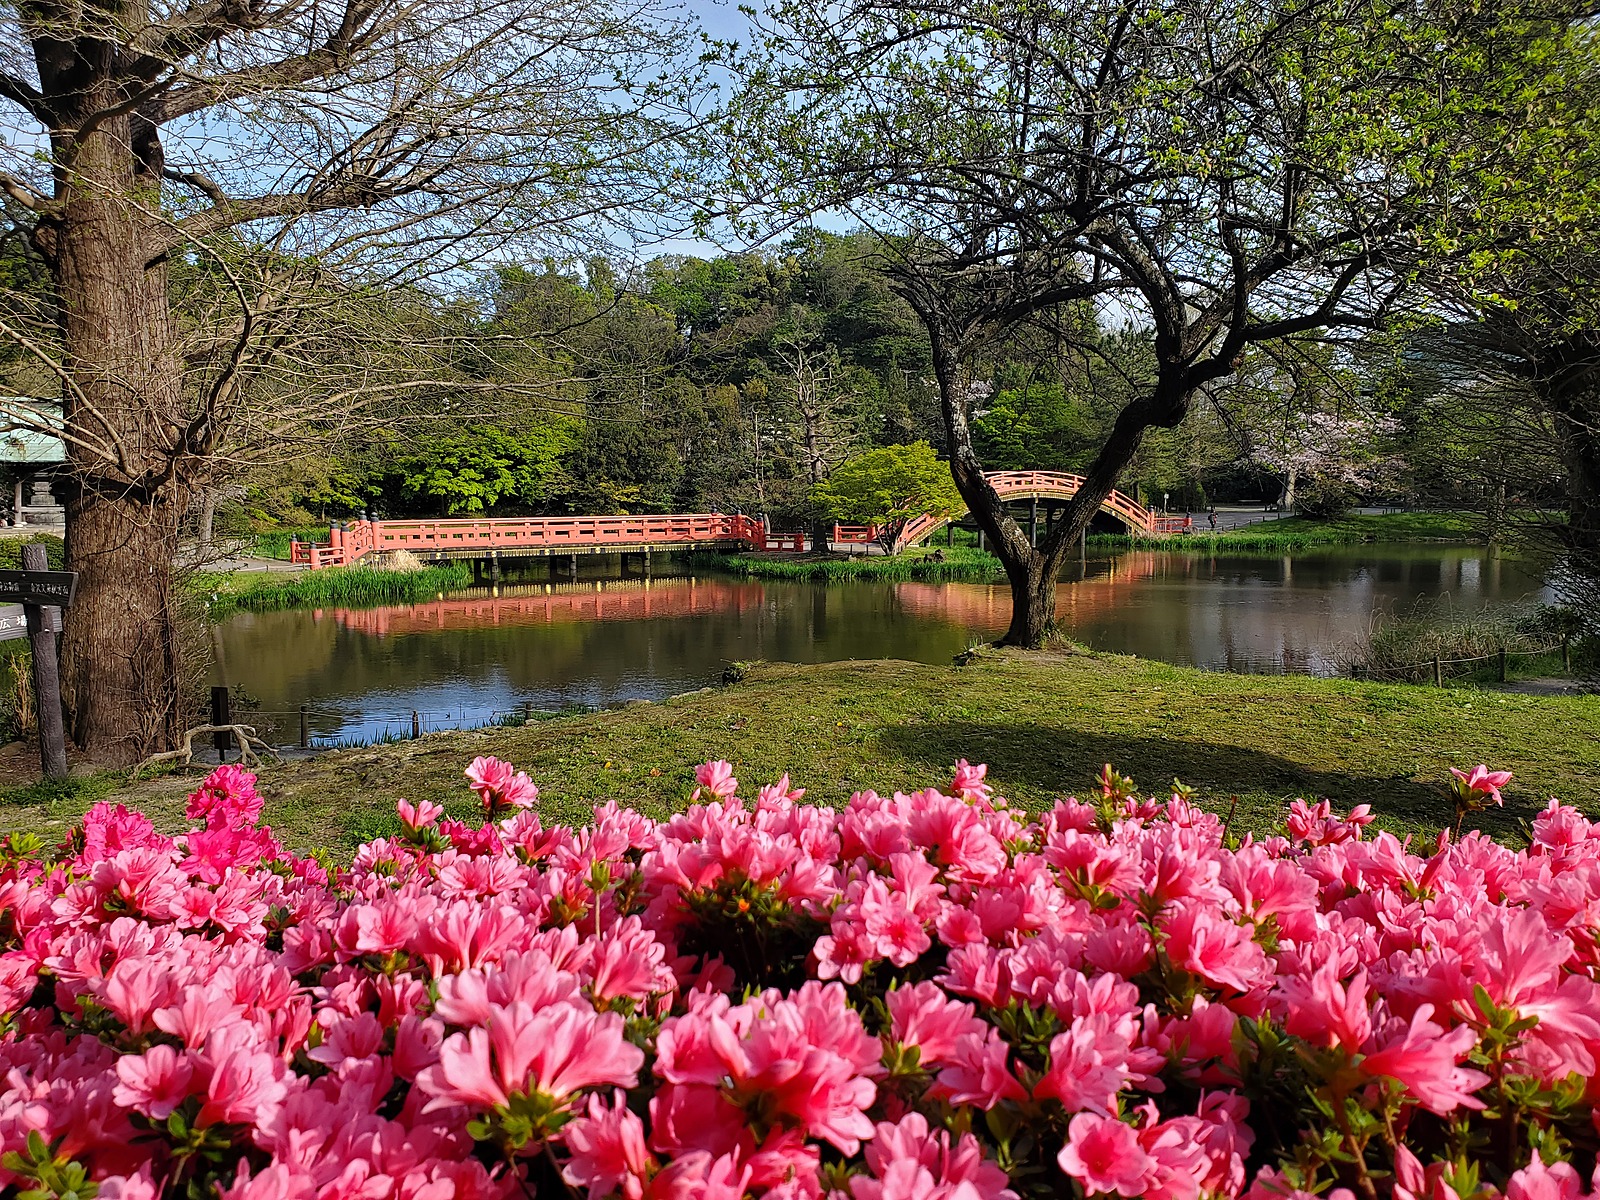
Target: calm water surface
x=550, y=642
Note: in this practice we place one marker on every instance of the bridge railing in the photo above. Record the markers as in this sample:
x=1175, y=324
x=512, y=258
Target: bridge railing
x=347, y=544
x=316, y=554
x=1039, y=483
x=855, y=535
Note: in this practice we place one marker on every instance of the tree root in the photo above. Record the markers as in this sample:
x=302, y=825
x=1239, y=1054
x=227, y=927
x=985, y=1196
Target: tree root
x=251, y=748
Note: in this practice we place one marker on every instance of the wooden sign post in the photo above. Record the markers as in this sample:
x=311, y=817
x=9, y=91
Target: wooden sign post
x=43, y=594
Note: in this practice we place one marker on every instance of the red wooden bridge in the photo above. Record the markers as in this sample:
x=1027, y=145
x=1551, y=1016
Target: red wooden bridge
x=539, y=537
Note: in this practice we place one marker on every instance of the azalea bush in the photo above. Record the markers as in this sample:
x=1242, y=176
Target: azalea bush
x=924, y=996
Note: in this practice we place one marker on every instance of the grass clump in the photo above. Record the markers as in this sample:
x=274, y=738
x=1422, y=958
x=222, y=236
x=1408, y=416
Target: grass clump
x=357, y=585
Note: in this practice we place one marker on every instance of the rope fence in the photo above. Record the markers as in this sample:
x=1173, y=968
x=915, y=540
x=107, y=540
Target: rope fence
x=1438, y=663
x=396, y=725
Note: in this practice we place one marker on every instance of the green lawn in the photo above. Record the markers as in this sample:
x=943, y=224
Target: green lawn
x=1044, y=723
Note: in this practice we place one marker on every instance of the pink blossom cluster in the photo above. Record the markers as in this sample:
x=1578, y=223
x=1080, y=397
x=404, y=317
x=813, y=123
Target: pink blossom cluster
x=923, y=996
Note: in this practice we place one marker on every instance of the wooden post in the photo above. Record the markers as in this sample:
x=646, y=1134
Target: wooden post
x=1033, y=522
x=222, y=714
x=950, y=534
x=1566, y=653
x=305, y=730
x=46, y=672
x=1438, y=672
x=1502, y=657
x=416, y=723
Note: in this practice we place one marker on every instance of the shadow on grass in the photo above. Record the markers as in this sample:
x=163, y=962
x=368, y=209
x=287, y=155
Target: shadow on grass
x=1039, y=762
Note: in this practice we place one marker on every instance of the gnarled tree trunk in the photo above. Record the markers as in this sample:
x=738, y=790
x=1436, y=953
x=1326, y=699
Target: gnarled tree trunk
x=1033, y=572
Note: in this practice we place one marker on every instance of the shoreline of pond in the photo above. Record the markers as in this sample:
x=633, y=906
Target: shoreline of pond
x=366, y=586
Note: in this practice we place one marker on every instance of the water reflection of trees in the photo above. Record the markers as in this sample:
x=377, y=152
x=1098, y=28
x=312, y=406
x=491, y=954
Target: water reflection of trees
x=601, y=641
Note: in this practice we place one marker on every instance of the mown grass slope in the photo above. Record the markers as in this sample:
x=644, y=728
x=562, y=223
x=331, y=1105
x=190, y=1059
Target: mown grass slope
x=1045, y=723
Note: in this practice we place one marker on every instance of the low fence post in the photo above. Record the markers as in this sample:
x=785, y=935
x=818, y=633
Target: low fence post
x=416, y=724
x=1438, y=672
x=1502, y=664
x=1566, y=653
x=222, y=714
x=305, y=730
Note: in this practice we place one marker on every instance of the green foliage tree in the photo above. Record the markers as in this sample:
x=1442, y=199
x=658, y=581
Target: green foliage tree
x=1232, y=175
x=479, y=467
x=887, y=487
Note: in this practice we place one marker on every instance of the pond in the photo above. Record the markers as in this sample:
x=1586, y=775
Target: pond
x=549, y=642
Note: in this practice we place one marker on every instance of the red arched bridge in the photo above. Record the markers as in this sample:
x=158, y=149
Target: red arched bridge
x=539, y=537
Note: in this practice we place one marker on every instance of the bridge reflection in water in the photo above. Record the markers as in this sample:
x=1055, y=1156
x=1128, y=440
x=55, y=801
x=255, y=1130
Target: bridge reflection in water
x=461, y=658
x=979, y=608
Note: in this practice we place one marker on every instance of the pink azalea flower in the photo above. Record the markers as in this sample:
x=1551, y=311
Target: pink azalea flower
x=500, y=786
x=1558, y=1181
x=968, y=783
x=418, y=816
x=607, y=1149
x=978, y=1072
x=1104, y=1155
x=923, y=1016
x=1480, y=780
x=1423, y=1057
x=554, y=1051
x=716, y=778
x=154, y=1082
x=226, y=799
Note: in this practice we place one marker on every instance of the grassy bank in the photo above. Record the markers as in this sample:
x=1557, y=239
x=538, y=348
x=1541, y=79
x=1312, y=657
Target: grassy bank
x=1044, y=723
x=262, y=592
x=275, y=544
x=1301, y=533
x=933, y=562
x=964, y=564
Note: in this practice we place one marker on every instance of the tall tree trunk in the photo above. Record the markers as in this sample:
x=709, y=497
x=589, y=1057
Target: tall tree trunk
x=207, y=521
x=120, y=646
x=1568, y=384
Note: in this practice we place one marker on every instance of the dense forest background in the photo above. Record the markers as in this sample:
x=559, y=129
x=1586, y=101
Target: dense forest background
x=737, y=383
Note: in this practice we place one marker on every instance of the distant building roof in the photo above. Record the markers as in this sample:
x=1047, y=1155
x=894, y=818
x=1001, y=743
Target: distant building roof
x=23, y=431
